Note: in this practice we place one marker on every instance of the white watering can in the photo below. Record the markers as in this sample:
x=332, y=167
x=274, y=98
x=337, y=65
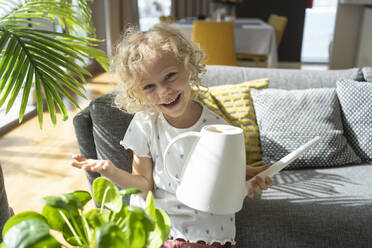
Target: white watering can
x=213, y=178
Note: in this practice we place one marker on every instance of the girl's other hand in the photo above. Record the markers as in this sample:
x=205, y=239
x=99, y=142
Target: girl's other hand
x=104, y=167
x=258, y=184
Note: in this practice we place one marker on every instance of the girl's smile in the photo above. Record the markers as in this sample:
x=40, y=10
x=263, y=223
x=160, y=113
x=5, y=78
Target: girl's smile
x=165, y=86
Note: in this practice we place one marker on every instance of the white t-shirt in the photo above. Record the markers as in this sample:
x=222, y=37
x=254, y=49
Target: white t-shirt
x=147, y=136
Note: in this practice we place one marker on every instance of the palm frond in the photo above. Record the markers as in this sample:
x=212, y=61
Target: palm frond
x=44, y=58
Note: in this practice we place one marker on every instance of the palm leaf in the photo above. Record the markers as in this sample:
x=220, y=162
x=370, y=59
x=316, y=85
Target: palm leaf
x=18, y=86
x=39, y=100
x=50, y=102
x=45, y=58
x=26, y=92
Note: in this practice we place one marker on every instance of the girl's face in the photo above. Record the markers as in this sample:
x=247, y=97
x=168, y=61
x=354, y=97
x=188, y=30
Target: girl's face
x=165, y=86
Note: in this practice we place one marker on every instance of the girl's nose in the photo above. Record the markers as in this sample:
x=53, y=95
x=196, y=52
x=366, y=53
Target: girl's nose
x=163, y=90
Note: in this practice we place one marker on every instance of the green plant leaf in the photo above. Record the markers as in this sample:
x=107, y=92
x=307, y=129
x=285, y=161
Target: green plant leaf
x=15, y=71
x=96, y=219
x=9, y=62
x=110, y=235
x=26, y=233
x=20, y=79
x=141, y=215
x=106, y=193
x=6, y=57
x=55, y=220
x=150, y=205
x=161, y=232
x=69, y=236
x=26, y=92
x=56, y=202
x=137, y=234
x=72, y=201
x=50, y=103
x=130, y=191
x=47, y=242
x=55, y=51
x=39, y=100
x=27, y=215
x=82, y=196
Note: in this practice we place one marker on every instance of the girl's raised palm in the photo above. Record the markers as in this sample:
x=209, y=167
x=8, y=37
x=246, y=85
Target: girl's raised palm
x=104, y=167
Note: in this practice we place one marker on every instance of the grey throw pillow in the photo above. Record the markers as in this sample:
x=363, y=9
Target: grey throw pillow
x=356, y=104
x=290, y=118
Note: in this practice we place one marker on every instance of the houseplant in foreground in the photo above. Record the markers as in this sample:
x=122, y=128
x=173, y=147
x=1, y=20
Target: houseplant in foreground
x=114, y=224
x=49, y=61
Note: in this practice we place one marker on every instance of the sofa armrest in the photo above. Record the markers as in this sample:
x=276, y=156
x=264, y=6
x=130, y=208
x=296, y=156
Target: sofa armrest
x=83, y=127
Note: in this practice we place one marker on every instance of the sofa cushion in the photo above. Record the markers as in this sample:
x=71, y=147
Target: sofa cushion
x=356, y=105
x=322, y=208
x=233, y=102
x=290, y=118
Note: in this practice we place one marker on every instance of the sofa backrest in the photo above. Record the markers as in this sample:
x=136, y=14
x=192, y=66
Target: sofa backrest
x=280, y=78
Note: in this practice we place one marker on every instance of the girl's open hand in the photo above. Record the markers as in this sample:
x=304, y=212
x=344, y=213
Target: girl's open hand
x=258, y=184
x=104, y=167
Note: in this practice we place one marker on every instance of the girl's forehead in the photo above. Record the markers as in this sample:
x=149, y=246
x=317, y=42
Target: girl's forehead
x=160, y=61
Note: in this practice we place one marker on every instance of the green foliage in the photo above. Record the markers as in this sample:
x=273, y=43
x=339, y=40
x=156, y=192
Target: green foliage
x=49, y=60
x=114, y=224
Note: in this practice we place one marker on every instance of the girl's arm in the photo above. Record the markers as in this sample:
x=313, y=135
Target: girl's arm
x=141, y=177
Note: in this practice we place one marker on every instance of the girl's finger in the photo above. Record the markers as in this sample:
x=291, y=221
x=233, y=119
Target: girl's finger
x=78, y=157
x=258, y=190
x=269, y=181
x=76, y=164
x=261, y=183
x=98, y=166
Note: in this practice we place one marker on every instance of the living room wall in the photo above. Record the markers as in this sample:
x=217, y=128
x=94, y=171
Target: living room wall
x=291, y=43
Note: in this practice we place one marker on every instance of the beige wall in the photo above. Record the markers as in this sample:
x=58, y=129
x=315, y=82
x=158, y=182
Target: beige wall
x=346, y=36
x=365, y=43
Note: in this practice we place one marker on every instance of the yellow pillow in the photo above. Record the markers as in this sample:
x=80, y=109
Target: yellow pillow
x=233, y=102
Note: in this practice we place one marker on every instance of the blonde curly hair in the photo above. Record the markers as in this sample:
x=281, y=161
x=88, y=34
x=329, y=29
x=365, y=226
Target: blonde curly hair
x=133, y=49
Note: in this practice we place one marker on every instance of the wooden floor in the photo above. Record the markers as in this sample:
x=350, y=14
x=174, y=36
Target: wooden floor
x=35, y=162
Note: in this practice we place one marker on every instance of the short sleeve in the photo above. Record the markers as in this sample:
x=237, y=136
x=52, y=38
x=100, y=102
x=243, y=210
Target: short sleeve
x=137, y=136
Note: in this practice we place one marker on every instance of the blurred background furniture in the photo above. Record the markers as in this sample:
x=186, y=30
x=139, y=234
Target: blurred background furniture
x=216, y=39
x=278, y=23
x=252, y=36
x=167, y=19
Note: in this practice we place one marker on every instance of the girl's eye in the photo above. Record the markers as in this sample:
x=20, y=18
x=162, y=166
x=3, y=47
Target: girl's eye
x=148, y=87
x=170, y=75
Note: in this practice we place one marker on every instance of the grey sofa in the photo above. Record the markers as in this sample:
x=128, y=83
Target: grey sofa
x=329, y=207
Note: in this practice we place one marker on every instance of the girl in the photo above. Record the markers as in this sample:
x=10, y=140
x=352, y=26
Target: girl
x=156, y=70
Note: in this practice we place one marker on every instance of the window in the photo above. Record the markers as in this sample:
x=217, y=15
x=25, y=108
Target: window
x=318, y=31
x=150, y=10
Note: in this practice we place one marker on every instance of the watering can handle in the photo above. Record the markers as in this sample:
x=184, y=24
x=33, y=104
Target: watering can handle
x=174, y=140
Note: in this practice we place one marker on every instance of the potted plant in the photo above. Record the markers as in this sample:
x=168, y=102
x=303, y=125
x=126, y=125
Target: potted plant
x=114, y=224
x=49, y=61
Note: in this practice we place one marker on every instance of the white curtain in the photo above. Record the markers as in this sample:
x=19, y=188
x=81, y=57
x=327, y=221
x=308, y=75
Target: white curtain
x=111, y=17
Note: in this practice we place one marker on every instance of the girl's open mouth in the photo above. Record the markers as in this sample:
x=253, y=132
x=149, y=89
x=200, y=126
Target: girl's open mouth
x=173, y=103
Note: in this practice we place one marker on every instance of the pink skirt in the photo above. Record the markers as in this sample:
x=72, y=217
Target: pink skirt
x=180, y=243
